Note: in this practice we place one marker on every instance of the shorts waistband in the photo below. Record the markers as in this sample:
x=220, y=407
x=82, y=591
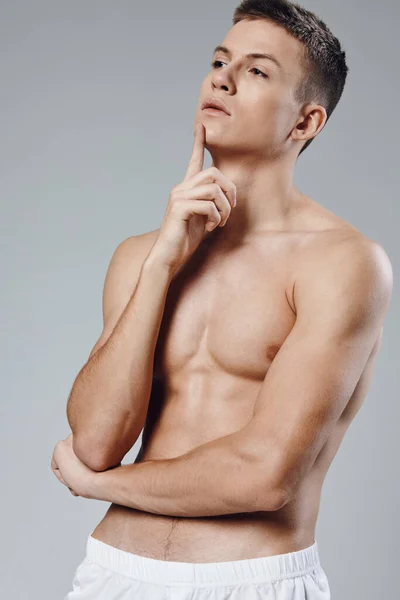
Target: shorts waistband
x=262, y=569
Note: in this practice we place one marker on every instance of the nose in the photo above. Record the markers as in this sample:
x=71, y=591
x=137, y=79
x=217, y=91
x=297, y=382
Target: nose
x=221, y=79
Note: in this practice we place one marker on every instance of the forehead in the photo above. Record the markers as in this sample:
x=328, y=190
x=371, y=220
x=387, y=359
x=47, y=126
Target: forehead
x=265, y=36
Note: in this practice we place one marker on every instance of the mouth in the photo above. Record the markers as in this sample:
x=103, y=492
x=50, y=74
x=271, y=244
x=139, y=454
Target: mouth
x=215, y=106
x=214, y=111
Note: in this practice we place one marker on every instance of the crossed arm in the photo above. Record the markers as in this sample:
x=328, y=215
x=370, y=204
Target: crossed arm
x=340, y=310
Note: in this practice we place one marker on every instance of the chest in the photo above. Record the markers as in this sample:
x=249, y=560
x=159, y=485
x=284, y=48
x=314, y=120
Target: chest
x=229, y=311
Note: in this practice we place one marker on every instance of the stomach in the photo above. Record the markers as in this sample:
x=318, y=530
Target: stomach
x=223, y=537
x=218, y=538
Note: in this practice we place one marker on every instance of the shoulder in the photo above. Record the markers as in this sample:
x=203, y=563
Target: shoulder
x=344, y=271
x=134, y=245
x=124, y=267
x=345, y=250
x=135, y=248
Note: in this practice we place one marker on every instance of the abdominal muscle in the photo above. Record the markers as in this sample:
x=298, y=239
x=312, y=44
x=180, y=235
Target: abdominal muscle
x=217, y=538
x=222, y=537
x=182, y=422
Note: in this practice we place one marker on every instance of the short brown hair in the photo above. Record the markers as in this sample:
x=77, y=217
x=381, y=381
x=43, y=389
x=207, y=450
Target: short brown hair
x=324, y=63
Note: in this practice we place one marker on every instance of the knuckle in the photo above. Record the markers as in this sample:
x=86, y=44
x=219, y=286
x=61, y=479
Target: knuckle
x=225, y=199
x=217, y=214
x=174, y=191
x=214, y=171
x=176, y=195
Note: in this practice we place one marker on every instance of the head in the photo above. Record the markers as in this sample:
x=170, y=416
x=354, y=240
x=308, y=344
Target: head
x=278, y=104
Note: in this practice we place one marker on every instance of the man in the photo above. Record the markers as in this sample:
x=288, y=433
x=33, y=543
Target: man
x=241, y=334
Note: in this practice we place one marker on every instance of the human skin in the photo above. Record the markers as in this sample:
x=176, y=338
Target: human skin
x=249, y=342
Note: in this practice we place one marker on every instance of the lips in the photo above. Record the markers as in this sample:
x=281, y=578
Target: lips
x=215, y=103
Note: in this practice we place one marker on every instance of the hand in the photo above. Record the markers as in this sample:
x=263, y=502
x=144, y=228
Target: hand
x=71, y=471
x=200, y=203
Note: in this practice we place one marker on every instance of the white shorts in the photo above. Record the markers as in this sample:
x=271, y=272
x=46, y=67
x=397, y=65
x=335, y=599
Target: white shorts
x=108, y=573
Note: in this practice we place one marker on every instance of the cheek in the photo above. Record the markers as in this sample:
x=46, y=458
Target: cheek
x=280, y=114
x=261, y=109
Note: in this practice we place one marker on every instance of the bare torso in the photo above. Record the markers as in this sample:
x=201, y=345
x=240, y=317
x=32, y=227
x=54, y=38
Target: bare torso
x=227, y=313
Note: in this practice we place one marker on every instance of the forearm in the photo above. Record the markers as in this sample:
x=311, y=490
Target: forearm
x=217, y=478
x=108, y=403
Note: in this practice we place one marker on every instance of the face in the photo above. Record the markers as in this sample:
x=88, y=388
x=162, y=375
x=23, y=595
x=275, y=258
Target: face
x=258, y=93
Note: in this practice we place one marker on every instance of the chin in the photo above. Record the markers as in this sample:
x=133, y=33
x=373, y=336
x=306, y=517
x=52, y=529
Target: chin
x=215, y=135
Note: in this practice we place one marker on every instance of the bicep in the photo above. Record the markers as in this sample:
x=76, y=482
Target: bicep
x=313, y=375
x=305, y=391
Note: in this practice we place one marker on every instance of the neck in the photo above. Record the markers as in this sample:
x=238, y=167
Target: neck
x=265, y=193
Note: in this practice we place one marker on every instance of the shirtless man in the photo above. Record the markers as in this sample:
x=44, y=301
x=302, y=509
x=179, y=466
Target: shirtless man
x=241, y=335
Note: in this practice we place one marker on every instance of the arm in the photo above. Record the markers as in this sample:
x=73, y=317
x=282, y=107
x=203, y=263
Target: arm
x=108, y=403
x=341, y=305
x=340, y=310
x=217, y=478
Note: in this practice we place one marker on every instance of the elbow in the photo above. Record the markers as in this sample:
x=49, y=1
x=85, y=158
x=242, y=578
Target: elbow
x=271, y=493
x=92, y=458
x=269, y=498
x=278, y=499
x=265, y=491
x=106, y=452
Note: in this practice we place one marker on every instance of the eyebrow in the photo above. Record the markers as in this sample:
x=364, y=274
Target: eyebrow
x=271, y=57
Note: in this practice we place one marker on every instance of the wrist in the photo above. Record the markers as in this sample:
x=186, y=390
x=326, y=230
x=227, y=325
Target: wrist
x=155, y=263
x=98, y=486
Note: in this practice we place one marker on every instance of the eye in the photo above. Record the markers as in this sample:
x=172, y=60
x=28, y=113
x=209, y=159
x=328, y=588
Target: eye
x=216, y=62
x=261, y=73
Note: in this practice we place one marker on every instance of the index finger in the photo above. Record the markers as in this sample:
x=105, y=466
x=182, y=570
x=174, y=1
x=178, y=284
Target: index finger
x=197, y=159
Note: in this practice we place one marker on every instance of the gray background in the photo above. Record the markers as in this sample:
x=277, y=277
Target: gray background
x=97, y=106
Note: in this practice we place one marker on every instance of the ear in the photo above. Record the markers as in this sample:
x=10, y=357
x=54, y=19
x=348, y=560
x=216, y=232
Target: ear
x=310, y=123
